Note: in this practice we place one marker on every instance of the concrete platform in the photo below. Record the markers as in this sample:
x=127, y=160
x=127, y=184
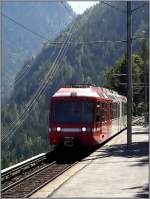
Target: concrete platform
x=112, y=171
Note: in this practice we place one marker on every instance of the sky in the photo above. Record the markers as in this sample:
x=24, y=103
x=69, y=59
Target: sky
x=80, y=6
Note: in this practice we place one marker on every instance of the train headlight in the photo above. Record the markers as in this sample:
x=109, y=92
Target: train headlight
x=83, y=129
x=58, y=129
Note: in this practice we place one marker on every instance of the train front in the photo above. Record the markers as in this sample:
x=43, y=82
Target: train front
x=71, y=118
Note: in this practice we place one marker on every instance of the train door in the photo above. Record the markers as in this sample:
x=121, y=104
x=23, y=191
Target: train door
x=121, y=114
x=118, y=116
x=110, y=113
x=104, y=120
x=107, y=121
x=98, y=122
x=115, y=121
x=108, y=117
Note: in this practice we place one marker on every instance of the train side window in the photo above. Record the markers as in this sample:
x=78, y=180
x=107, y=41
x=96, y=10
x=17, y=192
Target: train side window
x=111, y=111
x=118, y=108
x=97, y=112
x=103, y=105
x=99, y=105
x=103, y=115
x=122, y=109
x=123, y=105
x=114, y=110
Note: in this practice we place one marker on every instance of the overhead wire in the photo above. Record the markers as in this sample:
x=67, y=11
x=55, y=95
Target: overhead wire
x=32, y=100
x=110, y=5
x=18, y=78
x=57, y=42
x=89, y=42
x=24, y=115
x=38, y=93
x=139, y=7
x=54, y=70
x=25, y=72
x=55, y=62
x=67, y=42
x=137, y=38
x=12, y=122
x=21, y=76
x=28, y=103
x=24, y=27
x=124, y=11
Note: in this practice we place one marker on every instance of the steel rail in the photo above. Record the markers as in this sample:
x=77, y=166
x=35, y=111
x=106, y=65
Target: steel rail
x=28, y=176
x=57, y=171
x=20, y=166
x=48, y=181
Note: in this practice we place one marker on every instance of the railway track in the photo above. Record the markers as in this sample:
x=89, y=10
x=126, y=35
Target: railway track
x=26, y=186
x=33, y=182
x=15, y=173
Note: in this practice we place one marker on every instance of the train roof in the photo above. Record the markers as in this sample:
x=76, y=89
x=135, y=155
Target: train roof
x=86, y=90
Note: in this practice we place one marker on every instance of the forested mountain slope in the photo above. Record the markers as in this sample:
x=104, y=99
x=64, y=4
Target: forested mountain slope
x=26, y=26
x=85, y=59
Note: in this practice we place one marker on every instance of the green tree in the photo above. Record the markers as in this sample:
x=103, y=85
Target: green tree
x=117, y=80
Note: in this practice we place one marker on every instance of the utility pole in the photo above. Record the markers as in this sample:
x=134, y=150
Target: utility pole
x=129, y=76
x=145, y=79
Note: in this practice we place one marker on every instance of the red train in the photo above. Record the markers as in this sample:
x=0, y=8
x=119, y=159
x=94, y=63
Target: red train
x=86, y=115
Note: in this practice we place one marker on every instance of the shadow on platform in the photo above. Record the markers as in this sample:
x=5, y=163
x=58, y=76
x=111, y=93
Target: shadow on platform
x=140, y=132
x=137, y=150
x=143, y=191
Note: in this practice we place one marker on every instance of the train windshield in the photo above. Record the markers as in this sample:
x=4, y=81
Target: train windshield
x=72, y=111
